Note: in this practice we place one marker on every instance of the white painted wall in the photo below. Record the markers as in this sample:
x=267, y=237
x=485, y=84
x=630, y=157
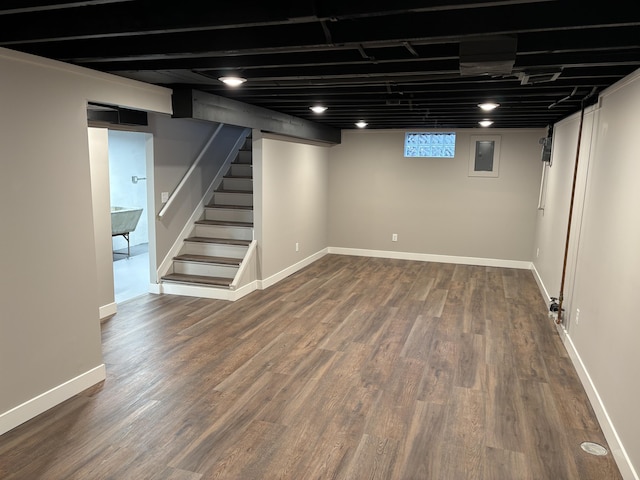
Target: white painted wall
x=176, y=145
x=433, y=205
x=291, y=188
x=128, y=157
x=553, y=214
x=50, y=345
x=99, y=159
x=604, y=267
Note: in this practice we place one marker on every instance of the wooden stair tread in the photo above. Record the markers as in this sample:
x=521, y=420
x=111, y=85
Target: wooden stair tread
x=188, y=257
x=224, y=223
x=234, y=207
x=198, y=279
x=222, y=190
x=226, y=241
x=240, y=183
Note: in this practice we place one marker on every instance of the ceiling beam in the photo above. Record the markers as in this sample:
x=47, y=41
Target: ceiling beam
x=241, y=26
x=198, y=105
x=14, y=7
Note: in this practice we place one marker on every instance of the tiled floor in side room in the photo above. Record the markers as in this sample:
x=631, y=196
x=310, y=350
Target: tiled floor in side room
x=131, y=274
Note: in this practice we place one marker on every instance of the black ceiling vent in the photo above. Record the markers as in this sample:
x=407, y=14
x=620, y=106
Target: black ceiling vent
x=113, y=115
x=531, y=78
x=493, y=55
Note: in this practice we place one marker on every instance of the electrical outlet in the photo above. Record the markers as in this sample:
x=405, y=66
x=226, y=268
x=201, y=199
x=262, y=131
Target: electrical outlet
x=577, y=315
x=297, y=247
x=537, y=252
x=394, y=237
x=164, y=197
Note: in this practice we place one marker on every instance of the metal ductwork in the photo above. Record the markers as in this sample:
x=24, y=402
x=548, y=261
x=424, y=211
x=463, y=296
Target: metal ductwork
x=534, y=77
x=493, y=55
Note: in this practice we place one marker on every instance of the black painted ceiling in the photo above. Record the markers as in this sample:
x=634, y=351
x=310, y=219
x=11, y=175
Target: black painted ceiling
x=401, y=64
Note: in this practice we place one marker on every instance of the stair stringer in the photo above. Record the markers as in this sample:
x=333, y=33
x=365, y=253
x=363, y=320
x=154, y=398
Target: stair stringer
x=167, y=263
x=246, y=279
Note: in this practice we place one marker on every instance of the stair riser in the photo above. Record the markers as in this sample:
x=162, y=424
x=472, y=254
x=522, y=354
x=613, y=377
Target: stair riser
x=221, y=231
x=191, y=268
x=240, y=170
x=244, y=199
x=228, y=215
x=214, y=250
x=244, y=156
x=245, y=184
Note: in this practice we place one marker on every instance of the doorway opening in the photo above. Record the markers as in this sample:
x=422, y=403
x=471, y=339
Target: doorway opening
x=129, y=184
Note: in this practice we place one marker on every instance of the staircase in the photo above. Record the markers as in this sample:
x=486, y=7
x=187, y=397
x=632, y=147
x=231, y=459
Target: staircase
x=212, y=254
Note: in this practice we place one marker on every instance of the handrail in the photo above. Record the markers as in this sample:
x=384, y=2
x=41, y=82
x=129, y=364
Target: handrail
x=186, y=176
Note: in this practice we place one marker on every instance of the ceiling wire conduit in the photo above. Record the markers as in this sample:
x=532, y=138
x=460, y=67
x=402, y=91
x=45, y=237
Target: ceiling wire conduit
x=189, y=172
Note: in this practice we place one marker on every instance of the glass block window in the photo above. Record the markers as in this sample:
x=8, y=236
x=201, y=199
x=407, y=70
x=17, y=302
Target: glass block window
x=430, y=144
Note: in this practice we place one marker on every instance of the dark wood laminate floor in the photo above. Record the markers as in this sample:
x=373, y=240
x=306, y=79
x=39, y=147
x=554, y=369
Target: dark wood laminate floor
x=353, y=368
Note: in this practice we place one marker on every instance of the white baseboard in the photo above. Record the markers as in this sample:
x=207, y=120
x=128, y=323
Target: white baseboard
x=196, y=291
x=34, y=407
x=427, y=257
x=543, y=289
x=273, y=279
x=245, y=290
x=617, y=449
x=207, y=292
x=108, y=310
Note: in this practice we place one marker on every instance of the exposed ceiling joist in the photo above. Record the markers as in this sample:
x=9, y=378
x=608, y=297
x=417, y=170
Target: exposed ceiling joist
x=406, y=64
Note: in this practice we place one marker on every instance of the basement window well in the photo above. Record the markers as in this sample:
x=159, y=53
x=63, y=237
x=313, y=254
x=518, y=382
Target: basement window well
x=430, y=144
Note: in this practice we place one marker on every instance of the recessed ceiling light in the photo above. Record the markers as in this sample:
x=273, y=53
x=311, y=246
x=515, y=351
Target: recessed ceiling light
x=485, y=123
x=488, y=106
x=317, y=109
x=361, y=124
x=232, y=81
